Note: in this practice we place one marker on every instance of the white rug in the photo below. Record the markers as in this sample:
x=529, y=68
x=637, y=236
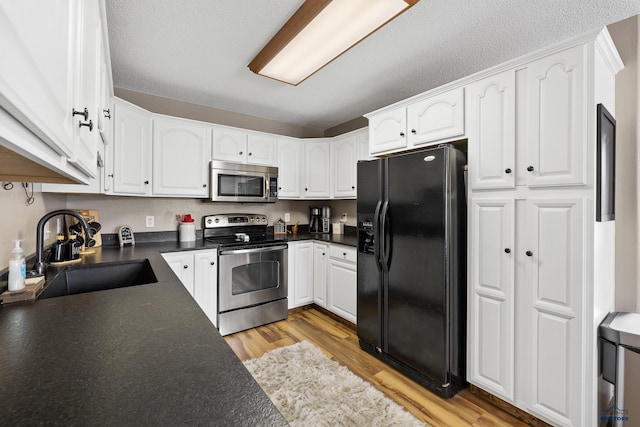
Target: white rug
x=310, y=389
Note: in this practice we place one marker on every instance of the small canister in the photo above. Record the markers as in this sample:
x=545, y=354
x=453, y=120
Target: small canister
x=187, y=229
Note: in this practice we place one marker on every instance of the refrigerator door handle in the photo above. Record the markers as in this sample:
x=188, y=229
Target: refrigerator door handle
x=377, y=240
x=384, y=233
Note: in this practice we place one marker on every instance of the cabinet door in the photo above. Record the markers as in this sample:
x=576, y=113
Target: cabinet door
x=262, y=150
x=303, y=292
x=436, y=118
x=317, y=182
x=132, y=150
x=182, y=265
x=181, y=153
x=362, y=145
x=229, y=145
x=344, y=166
x=320, y=257
x=87, y=81
x=557, y=123
x=206, y=283
x=342, y=283
x=290, y=161
x=491, y=296
x=38, y=43
x=387, y=131
x=492, y=132
x=554, y=260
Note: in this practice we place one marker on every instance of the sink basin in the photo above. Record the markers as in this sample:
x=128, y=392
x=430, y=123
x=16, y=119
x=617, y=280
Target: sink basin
x=79, y=279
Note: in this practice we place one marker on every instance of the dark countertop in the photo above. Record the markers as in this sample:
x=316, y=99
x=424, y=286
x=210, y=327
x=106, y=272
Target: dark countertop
x=144, y=355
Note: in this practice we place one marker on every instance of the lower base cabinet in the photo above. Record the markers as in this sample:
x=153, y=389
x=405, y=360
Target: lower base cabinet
x=324, y=274
x=198, y=272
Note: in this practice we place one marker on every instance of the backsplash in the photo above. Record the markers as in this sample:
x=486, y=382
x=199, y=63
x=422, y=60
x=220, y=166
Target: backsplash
x=19, y=221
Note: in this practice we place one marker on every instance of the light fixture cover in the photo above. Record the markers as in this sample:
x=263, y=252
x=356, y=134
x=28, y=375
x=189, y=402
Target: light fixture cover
x=320, y=31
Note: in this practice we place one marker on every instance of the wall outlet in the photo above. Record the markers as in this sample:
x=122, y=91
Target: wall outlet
x=287, y=217
x=343, y=218
x=150, y=221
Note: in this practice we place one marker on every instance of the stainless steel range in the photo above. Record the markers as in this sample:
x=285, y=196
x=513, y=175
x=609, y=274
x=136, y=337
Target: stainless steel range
x=252, y=271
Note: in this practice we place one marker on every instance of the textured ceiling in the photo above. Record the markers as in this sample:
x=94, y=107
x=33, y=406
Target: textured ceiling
x=198, y=50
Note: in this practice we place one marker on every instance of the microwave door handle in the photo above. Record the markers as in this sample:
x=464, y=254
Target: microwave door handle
x=266, y=187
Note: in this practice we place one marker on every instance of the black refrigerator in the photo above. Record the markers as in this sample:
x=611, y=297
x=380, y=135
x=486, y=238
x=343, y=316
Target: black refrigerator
x=412, y=265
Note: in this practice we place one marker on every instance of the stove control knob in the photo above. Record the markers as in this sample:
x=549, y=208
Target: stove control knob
x=217, y=220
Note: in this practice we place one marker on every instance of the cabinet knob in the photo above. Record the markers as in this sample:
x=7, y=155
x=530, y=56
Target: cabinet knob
x=213, y=263
x=250, y=153
x=146, y=183
x=413, y=131
x=84, y=113
x=306, y=189
x=279, y=188
x=344, y=254
x=402, y=134
x=240, y=153
x=322, y=253
x=204, y=185
x=530, y=168
x=185, y=266
x=507, y=170
x=529, y=253
x=353, y=187
x=89, y=125
x=107, y=113
x=507, y=250
x=110, y=175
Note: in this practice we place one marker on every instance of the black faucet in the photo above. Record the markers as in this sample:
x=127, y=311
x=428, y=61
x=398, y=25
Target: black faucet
x=40, y=267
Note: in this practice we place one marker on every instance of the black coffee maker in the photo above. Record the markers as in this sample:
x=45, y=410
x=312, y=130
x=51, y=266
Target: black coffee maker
x=319, y=219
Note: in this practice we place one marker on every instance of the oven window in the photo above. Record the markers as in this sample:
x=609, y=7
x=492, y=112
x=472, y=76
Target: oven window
x=240, y=185
x=255, y=276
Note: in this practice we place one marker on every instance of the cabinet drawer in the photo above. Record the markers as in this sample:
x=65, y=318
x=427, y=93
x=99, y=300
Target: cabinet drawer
x=343, y=253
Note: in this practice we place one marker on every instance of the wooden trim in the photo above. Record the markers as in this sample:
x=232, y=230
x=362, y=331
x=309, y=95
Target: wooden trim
x=300, y=19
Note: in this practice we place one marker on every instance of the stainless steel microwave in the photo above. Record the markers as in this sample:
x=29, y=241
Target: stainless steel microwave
x=235, y=182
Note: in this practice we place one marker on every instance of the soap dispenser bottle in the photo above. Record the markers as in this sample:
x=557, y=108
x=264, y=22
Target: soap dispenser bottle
x=17, y=267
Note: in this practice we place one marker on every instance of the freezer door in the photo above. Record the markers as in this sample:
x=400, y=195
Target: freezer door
x=369, y=302
x=415, y=230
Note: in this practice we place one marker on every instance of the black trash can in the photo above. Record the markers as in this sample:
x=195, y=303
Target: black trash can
x=620, y=365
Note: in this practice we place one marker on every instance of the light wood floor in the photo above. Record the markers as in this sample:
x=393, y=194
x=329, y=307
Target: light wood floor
x=340, y=342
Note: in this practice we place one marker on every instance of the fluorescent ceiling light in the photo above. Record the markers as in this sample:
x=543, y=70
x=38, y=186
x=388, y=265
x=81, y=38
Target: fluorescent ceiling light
x=320, y=31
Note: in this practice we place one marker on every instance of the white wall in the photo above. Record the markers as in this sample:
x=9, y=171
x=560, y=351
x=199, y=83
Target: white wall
x=625, y=35
x=18, y=221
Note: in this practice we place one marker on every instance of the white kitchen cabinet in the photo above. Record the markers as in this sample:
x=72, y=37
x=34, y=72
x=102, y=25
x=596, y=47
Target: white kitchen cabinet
x=262, y=149
x=182, y=265
x=557, y=120
x=317, y=175
x=492, y=135
x=388, y=131
x=422, y=121
x=181, y=153
x=491, y=288
x=300, y=284
x=132, y=150
x=290, y=162
x=343, y=165
x=541, y=274
x=342, y=282
x=239, y=146
x=206, y=282
x=198, y=272
x=320, y=262
x=436, y=118
x=50, y=70
x=362, y=145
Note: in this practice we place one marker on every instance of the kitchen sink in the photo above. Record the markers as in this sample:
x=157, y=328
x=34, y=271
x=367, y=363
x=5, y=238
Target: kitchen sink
x=79, y=279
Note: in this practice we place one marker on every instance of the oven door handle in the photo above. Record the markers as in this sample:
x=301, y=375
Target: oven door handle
x=253, y=250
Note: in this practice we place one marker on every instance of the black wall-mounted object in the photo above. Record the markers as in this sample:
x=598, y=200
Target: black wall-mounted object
x=606, y=165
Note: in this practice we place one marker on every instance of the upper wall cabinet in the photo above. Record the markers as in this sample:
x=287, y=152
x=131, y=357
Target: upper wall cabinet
x=239, y=146
x=132, y=150
x=181, y=153
x=556, y=121
x=492, y=131
x=432, y=119
x=317, y=174
x=344, y=166
x=50, y=71
x=290, y=161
